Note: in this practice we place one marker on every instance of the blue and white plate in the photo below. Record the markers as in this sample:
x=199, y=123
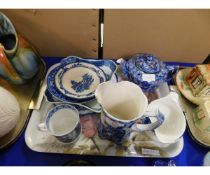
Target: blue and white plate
x=75, y=79
x=79, y=80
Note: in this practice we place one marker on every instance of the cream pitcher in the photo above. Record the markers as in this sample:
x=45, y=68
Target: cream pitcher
x=124, y=106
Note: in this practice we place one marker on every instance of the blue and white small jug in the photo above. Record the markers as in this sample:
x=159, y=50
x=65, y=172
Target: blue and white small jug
x=123, y=105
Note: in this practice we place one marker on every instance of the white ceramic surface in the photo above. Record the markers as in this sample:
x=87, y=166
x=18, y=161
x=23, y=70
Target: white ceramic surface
x=174, y=123
x=9, y=111
x=123, y=101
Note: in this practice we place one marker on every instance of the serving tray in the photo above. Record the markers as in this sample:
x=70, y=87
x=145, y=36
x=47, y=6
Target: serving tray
x=27, y=97
x=201, y=137
x=139, y=144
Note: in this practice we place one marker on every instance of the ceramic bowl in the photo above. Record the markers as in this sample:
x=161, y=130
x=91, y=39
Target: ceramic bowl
x=147, y=71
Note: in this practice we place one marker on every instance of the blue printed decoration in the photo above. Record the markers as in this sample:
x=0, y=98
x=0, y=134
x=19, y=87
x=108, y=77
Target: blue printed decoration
x=102, y=69
x=118, y=131
x=84, y=84
x=139, y=65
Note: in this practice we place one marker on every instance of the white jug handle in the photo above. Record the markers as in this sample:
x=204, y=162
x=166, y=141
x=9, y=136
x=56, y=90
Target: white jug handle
x=42, y=127
x=158, y=116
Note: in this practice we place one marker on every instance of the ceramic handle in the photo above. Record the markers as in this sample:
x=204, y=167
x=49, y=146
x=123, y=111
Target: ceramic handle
x=120, y=61
x=42, y=127
x=149, y=125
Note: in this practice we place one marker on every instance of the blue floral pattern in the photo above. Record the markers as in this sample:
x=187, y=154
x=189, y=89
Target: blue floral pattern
x=116, y=135
x=82, y=110
x=71, y=136
x=84, y=84
x=107, y=67
x=140, y=64
x=113, y=130
x=118, y=131
x=80, y=87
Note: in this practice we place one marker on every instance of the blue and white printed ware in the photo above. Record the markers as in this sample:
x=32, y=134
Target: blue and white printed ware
x=78, y=79
x=75, y=79
x=83, y=108
x=53, y=95
x=123, y=105
x=62, y=121
x=147, y=71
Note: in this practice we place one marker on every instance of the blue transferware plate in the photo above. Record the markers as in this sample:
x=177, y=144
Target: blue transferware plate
x=147, y=71
x=78, y=79
x=105, y=69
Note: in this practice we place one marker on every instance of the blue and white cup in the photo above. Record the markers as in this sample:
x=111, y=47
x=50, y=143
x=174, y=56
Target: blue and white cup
x=62, y=122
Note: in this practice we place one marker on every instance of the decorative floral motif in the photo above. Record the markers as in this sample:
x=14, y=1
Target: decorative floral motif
x=137, y=66
x=117, y=135
x=84, y=84
x=82, y=110
x=99, y=73
x=118, y=131
x=71, y=136
x=51, y=86
x=107, y=68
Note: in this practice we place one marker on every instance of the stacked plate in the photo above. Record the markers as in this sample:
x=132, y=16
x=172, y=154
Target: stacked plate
x=75, y=79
